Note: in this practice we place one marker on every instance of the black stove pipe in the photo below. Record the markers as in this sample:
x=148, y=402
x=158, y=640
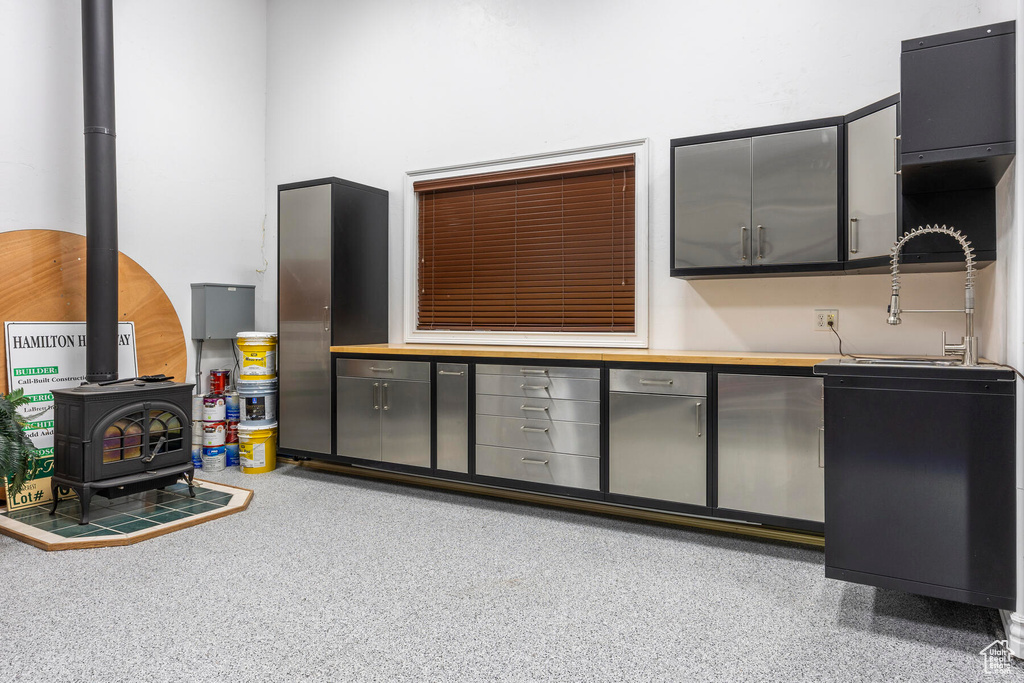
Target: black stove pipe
x=100, y=191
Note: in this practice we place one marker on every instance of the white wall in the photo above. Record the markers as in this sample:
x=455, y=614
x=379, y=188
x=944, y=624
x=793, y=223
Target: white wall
x=190, y=84
x=369, y=90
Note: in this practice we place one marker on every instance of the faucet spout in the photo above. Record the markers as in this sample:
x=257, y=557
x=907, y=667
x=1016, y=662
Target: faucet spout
x=967, y=349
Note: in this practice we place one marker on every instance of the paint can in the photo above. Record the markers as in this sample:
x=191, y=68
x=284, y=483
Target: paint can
x=258, y=400
x=231, y=449
x=219, y=380
x=197, y=456
x=231, y=405
x=214, y=458
x=231, y=434
x=197, y=433
x=213, y=408
x=257, y=447
x=214, y=434
x=259, y=355
x=197, y=407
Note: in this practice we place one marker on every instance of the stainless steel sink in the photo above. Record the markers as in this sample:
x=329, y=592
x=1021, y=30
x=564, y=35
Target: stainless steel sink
x=901, y=362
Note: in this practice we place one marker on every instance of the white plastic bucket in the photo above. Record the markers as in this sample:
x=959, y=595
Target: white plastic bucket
x=257, y=401
x=257, y=448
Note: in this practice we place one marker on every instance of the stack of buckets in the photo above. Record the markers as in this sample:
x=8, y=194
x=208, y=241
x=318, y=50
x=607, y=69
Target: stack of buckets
x=257, y=391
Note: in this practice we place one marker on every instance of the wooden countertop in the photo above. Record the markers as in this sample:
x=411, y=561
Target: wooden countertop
x=801, y=360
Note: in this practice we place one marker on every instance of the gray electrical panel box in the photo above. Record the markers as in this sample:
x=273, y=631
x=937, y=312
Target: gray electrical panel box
x=222, y=311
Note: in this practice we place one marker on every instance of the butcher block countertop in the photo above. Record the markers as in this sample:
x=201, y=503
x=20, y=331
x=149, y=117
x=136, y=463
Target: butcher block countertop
x=799, y=360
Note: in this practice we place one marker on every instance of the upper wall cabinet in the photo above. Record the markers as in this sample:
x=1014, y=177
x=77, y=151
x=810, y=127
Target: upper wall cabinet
x=759, y=201
x=873, y=187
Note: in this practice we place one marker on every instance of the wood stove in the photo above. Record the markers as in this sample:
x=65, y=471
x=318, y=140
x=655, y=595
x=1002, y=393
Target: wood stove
x=118, y=439
x=112, y=437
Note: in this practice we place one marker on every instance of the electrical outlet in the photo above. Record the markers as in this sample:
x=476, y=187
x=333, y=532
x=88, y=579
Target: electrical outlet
x=824, y=316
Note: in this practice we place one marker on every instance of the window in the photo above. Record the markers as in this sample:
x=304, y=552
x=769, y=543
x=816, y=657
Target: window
x=536, y=251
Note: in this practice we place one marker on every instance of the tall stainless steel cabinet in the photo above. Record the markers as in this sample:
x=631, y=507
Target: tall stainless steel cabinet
x=332, y=289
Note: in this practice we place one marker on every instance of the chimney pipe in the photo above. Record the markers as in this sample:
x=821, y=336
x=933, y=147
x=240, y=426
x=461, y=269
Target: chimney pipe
x=100, y=190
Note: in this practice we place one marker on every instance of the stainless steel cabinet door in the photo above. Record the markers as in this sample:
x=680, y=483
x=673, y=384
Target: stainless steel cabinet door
x=795, y=197
x=769, y=445
x=304, y=359
x=871, y=154
x=657, y=447
x=359, y=418
x=405, y=422
x=712, y=204
x=452, y=417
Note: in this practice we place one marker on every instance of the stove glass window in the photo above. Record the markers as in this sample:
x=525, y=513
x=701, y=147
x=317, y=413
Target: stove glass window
x=123, y=439
x=164, y=432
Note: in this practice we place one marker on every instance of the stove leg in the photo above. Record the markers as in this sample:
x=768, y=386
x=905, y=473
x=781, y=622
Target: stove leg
x=53, y=490
x=189, y=475
x=85, y=497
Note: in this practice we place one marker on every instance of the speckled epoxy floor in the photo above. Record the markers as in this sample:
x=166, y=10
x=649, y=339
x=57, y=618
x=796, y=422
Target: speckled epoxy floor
x=327, y=578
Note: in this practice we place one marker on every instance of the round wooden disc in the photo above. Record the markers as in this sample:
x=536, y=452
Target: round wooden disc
x=43, y=279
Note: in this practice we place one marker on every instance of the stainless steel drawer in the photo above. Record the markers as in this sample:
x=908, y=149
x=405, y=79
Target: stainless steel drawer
x=539, y=408
x=658, y=382
x=559, y=469
x=539, y=387
x=539, y=435
x=538, y=371
x=384, y=368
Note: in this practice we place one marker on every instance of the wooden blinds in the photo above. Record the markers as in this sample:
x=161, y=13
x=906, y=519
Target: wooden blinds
x=548, y=249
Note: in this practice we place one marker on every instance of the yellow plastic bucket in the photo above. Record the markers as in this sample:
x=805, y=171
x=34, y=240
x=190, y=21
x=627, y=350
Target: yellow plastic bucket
x=259, y=355
x=257, y=448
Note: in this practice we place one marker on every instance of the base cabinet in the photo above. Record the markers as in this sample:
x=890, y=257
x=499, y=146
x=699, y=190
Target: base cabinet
x=770, y=445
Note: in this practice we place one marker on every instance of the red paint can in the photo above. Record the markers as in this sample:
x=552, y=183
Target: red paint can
x=219, y=381
x=231, y=435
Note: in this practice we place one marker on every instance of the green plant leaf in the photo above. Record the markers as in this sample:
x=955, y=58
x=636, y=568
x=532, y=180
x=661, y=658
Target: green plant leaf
x=17, y=454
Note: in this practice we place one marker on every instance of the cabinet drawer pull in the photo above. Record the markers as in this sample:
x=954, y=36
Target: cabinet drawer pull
x=533, y=386
x=532, y=461
x=449, y=372
x=697, y=411
x=384, y=395
x=533, y=371
x=760, y=234
x=896, y=155
x=854, y=246
x=376, y=395
x=538, y=409
x=327, y=323
x=656, y=382
x=534, y=429
x=381, y=369
x=743, y=242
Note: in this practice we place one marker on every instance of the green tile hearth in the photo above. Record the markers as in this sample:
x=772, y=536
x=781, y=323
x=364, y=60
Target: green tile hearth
x=119, y=516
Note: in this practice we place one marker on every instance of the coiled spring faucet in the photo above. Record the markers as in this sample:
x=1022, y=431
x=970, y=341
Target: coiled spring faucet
x=967, y=349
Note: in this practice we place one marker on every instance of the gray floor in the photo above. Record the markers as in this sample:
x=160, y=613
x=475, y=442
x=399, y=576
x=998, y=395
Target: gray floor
x=340, y=579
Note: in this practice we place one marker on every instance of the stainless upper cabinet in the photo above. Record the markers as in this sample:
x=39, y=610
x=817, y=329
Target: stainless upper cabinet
x=712, y=204
x=872, y=226
x=304, y=308
x=795, y=196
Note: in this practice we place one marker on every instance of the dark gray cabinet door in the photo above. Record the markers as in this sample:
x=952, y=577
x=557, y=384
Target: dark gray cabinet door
x=871, y=164
x=358, y=418
x=304, y=361
x=795, y=197
x=712, y=204
x=405, y=422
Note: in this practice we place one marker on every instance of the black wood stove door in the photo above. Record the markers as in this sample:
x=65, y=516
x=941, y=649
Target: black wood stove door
x=138, y=438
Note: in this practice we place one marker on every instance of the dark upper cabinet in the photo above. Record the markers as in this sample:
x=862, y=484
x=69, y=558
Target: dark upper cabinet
x=758, y=201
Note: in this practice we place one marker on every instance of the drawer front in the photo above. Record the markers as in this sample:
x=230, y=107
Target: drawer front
x=539, y=435
x=559, y=469
x=658, y=382
x=539, y=408
x=384, y=368
x=538, y=371
x=539, y=387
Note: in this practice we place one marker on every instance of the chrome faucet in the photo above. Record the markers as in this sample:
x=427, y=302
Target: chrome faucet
x=967, y=349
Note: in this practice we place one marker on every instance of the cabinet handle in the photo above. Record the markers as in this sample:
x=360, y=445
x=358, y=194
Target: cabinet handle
x=760, y=233
x=327, y=322
x=533, y=386
x=373, y=369
x=532, y=371
x=697, y=411
x=657, y=382
x=449, y=372
x=533, y=429
x=854, y=246
x=821, y=450
x=384, y=393
x=896, y=155
x=743, y=242
x=532, y=461
x=376, y=395
x=537, y=409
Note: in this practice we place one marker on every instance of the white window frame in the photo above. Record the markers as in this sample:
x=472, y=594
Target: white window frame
x=636, y=339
